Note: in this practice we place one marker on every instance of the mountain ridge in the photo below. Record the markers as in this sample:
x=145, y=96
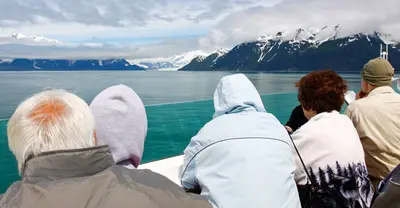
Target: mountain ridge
x=174, y=62
x=304, y=50
x=65, y=65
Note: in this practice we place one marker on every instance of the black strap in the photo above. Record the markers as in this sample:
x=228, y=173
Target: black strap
x=394, y=172
x=302, y=162
x=381, y=187
x=384, y=183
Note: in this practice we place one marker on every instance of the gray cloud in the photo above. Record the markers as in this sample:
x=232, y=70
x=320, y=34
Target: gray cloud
x=54, y=52
x=166, y=48
x=233, y=22
x=116, y=12
x=354, y=16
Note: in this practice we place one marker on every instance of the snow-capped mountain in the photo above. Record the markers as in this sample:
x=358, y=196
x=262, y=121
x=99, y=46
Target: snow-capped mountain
x=387, y=38
x=203, y=62
x=301, y=50
x=171, y=63
x=20, y=38
x=183, y=59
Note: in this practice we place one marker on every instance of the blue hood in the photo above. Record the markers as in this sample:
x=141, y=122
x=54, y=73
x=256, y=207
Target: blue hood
x=242, y=157
x=236, y=93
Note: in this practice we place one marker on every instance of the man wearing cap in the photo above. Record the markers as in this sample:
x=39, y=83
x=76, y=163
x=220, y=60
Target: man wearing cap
x=376, y=116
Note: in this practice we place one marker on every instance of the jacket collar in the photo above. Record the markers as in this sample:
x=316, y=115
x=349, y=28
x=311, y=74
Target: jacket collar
x=381, y=90
x=324, y=115
x=69, y=163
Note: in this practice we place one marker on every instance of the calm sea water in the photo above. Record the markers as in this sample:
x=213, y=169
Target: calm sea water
x=178, y=104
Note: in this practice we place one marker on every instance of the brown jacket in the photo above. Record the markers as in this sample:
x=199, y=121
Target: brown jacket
x=88, y=178
x=377, y=120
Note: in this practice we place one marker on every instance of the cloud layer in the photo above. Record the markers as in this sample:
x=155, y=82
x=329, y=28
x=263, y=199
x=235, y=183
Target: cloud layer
x=145, y=29
x=119, y=13
x=354, y=16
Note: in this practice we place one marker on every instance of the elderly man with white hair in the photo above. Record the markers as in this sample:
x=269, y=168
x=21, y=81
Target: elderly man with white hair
x=52, y=135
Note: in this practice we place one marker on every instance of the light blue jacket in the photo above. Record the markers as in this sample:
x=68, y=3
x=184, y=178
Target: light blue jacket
x=242, y=158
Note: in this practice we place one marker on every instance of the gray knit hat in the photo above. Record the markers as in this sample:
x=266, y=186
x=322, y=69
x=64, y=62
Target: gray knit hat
x=121, y=123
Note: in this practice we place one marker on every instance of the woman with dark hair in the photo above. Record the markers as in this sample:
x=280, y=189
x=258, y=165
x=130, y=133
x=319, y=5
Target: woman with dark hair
x=296, y=120
x=334, y=173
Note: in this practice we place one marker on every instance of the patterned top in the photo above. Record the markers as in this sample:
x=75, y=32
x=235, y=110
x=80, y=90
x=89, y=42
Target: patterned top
x=333, y=155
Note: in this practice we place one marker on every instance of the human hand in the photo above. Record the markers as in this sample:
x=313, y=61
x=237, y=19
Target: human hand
x=290, y=130
x=361, y=95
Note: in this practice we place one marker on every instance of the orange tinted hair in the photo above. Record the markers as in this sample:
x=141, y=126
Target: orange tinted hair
x=48, y=112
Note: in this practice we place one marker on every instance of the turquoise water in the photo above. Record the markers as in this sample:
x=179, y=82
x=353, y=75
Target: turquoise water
x=170, y=129
x=170, y=125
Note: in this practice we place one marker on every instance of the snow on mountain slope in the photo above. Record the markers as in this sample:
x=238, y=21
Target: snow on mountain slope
x=317, y=36
x=183, y=59
x=169, y=63
x=140, y=65
x=311, y=36
x=6, y=60
x=19, y=38
x=314, y=36
x=387, y=38
x=208, y=61
x=219, y=53
x=301, y=49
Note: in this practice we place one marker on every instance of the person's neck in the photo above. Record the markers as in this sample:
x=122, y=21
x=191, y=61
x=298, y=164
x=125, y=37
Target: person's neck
x=372, y=87
x=126, y=162
x=310, y=114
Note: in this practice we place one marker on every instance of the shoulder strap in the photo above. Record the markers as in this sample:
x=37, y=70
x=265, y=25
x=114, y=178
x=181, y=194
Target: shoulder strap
x=302, y=162
x=394, y=172
x=384, y=183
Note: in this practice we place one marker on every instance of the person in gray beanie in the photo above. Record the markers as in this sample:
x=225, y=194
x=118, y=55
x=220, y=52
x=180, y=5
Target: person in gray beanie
x=121, y=123
x=376, y=116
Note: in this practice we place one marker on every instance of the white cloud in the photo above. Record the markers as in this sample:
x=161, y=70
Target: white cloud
x=354, y=16
x=76, y=20
x=72, y=31
x=162, y=28
x=171, y=27
x=19, y=38
x=120, y=12
x=166, y=48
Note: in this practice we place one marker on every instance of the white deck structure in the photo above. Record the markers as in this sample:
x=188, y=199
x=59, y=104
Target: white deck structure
x=384, y=53
x=167, y=167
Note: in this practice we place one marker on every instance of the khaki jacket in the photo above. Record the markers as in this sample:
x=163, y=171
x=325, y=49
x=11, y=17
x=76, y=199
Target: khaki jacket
x=88, y=178
x=377, y=120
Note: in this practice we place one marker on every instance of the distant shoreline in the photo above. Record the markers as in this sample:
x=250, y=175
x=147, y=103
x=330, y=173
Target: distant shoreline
x=245, y=72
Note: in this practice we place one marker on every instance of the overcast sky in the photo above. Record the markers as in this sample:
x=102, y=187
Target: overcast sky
x=154, y=28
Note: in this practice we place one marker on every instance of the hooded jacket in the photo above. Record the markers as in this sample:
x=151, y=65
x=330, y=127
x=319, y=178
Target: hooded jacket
x=89, y=178
x=121, y=123
x=241, y=158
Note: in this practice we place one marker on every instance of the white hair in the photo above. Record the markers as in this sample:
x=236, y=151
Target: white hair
x=50, y=121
